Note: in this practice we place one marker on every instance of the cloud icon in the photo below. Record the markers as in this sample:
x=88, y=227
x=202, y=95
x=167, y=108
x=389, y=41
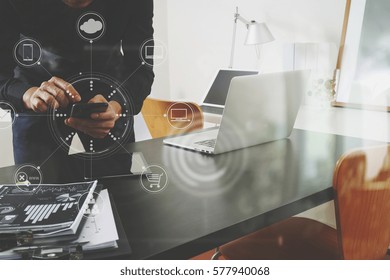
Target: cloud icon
x=91, y=26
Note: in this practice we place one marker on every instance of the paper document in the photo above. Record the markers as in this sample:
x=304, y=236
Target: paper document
x=48, y=210
x=100, y=230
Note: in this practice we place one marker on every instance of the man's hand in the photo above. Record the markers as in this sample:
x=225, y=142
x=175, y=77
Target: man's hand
x=54, y=93
x=100, y=124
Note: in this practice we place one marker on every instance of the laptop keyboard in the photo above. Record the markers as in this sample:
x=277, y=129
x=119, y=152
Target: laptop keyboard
x=207, y=143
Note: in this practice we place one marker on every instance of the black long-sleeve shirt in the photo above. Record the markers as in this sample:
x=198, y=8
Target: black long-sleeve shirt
x=64, y=53
x=128, y=23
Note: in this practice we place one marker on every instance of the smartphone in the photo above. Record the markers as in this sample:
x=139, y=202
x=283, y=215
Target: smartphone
x=84, y=110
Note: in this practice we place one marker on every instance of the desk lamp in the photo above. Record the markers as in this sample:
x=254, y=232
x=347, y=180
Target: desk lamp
x=258, y=34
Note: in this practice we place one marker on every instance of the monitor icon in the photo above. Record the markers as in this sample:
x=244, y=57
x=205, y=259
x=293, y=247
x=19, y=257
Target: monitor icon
x=156, y=52
x=179, y=115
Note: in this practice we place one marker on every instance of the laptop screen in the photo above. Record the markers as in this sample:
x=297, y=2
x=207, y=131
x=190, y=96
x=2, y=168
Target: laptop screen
x=218, y=92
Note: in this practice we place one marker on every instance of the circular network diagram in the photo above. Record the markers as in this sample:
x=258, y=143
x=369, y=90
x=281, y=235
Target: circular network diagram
x=90, y=85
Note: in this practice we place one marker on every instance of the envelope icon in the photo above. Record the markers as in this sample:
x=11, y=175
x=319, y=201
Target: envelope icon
x=5, y=116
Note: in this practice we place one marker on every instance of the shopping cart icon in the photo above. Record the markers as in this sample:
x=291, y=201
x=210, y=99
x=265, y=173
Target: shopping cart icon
x=154, y=180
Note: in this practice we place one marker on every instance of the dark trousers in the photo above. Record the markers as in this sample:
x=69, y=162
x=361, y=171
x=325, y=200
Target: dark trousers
x=35, y=144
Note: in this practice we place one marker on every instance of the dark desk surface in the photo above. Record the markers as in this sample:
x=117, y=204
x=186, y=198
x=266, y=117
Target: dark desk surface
x=211, y=200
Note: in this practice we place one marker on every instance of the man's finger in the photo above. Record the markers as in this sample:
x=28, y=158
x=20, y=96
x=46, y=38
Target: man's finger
x=78, y=124
x=103, y=116
x=93, y=132
x=71, y=92
x=49, y=99
x=38, y=105
x=97, y=99
x=91, y=124
x=55, y=91
x=98, y=133
x=84, y=124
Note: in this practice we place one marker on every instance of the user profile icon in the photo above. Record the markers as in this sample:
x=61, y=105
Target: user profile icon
x=91, y=26
x=27, y=52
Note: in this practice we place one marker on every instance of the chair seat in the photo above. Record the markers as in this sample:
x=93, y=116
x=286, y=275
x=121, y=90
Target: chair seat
x=292, y=239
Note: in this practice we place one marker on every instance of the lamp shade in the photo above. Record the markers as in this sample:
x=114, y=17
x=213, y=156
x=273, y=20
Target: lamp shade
x=258, y=33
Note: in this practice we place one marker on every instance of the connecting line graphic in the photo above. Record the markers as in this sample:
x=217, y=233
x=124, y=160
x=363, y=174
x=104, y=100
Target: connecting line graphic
x=33, y=115
x=131, y=75
x=91, y=59
x=162, y=116
x=51, y=155
x=40, y=64
x=91, y=166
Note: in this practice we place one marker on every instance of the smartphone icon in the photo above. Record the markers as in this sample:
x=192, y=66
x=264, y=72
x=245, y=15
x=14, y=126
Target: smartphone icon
x=28, y=52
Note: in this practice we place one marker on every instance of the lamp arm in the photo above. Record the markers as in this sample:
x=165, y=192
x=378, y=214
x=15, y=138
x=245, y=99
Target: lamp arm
x=242, y=19
x=233, y=44
x=237, y=17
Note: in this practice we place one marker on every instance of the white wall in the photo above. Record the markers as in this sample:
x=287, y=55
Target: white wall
x=200, y=34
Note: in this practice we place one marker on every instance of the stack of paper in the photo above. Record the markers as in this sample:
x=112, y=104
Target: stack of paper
x=58, y=216
x=99, y=231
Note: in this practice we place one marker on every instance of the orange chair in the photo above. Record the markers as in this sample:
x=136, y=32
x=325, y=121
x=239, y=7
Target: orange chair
x=161, y=121
x=362, y=201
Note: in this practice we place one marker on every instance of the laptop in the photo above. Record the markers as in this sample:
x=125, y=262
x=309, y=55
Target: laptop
x=214, y=100
x=258, y=109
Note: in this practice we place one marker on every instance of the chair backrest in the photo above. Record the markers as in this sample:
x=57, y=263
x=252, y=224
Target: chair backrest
x=362, y=185
x=161, y=121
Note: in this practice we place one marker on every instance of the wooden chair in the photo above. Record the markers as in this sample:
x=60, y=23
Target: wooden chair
x=161, y=121
x=362, y=201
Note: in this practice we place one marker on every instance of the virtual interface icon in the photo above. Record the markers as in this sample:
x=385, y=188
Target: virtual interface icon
x=26, y=176
x=91, y=26
x=156, y=52
x=154, y=180
x=153, y=52
x=22, y=179
x=5, y=115
x=179, y=115
x=28, y=52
